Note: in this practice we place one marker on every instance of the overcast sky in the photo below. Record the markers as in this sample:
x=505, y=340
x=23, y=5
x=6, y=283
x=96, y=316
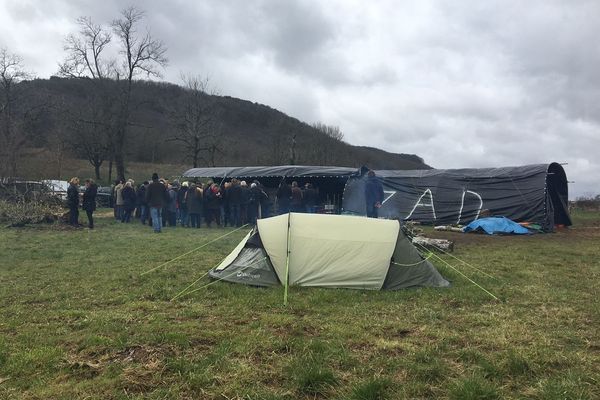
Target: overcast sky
x=459, y=83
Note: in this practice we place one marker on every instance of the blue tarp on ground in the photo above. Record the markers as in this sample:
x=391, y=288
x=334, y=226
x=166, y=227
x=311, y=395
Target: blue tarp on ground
x=491, y=225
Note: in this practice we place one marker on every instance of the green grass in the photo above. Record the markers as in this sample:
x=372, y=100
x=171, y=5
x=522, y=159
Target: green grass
x=78, y=320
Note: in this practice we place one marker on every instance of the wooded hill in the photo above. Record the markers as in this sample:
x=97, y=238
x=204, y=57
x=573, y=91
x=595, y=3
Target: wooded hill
x=231, y=131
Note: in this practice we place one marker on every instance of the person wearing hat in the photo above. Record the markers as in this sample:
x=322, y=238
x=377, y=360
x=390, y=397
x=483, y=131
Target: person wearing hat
x=156, y=194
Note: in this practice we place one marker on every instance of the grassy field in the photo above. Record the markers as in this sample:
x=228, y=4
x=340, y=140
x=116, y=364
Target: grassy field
x=78, y=320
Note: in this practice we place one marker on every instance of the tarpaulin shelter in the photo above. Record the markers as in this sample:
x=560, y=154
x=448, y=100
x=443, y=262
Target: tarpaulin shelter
x=335, y=251
x=532, y=193
x=330, y=181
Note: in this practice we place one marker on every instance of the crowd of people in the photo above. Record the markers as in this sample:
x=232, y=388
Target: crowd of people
x=160, y=203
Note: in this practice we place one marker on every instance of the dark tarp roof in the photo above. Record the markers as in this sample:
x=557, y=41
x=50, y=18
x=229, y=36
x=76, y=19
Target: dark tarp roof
x=274, y=171
x=535, y=193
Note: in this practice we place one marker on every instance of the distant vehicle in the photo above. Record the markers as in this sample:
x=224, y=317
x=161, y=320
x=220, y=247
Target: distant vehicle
x=17, y=189
x=57, y=188
x=103, y=196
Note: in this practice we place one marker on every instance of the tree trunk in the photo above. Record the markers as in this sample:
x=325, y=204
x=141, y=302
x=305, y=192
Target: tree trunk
x=97, y=171
x=13, y=163
x=119, y=153
x=110, y=164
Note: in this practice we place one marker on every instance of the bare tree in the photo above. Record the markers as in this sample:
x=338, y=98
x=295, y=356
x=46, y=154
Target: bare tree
x=293, y=150
x=214, y=144
x=85, y=58
x=92, y=128
x=197, y=126
x=279, y=139
x=90, y=138
x=12, y=119
x=141, y=54
x=324, y=147
x=138, y=53
x=334, y=132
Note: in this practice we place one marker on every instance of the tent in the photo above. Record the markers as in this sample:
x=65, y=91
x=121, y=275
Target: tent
x=335, y=251
x=531, y=193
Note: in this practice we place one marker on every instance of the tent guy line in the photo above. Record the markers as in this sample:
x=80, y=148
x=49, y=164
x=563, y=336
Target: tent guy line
x=191, y=251
x=461, y=274
x=465, y=263
x=183, y=292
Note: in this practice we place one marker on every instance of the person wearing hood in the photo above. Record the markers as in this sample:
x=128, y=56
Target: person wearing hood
x=373, y=195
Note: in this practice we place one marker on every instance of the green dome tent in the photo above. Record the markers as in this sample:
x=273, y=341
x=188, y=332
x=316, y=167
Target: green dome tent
x=335, y=251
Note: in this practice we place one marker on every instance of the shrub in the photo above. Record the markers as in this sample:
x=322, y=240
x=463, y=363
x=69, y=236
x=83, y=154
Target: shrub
x=21, y=213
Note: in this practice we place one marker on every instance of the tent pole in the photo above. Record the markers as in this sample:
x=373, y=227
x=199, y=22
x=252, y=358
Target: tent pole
x=287, y=264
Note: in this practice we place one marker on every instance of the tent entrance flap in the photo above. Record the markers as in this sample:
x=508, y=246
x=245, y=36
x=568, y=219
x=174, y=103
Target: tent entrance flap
x=558, y=194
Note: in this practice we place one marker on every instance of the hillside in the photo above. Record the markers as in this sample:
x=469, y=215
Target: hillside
x=241, y=132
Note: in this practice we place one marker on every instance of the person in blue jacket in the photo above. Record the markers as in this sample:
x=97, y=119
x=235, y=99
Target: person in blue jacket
x=373, y=194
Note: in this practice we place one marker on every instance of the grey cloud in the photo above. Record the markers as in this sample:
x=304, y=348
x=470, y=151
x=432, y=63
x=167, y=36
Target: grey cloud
x=462, y=84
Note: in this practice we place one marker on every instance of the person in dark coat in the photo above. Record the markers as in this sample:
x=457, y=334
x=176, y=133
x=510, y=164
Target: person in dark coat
x=141, y=202
x=129, y=201
x=284, y=196
x=309, y=197
x=244, y=202
x=156, y=194
x=296, y=203
x=73, y=201
x=172, y=205
x=182, y=203
x=225, y=208
x=212, y=210
x=235, y=202
x=89, y=201
x=263, y=201
x=194, y=203
x=253, y=202
x=373, y=195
